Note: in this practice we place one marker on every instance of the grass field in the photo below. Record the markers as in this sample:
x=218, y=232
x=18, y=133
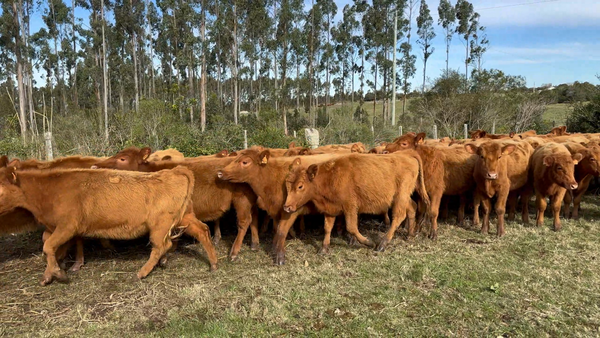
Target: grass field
x=558, y=113
x=532, y=282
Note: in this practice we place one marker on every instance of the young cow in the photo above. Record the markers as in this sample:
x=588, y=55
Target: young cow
x=551, y=174
x=100, y=203
x=355, y=184
x=585, y=171
x=502, y=167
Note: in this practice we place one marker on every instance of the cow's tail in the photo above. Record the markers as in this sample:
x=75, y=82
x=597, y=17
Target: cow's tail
x=179, y=226
x=420, y=186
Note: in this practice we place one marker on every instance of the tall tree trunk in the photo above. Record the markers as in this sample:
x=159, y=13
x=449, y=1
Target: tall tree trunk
x=135, y=72
x=234, y=70
x=297, y=83
x=191, y=87
x=17, y=10
x=74, y=40
x=203, y=76
x=104, y=74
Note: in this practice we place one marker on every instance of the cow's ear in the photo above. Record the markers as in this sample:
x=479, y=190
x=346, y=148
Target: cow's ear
x=15, y=163
x=264, y=157
x=471, y=148
x=296, y=162
x=11, y=174
x=354, y=148
x=223, y=153
x=3, y=161
x=166, y=158
x=482, y=134
x=292, y=145
x=420, y=138
x=512, y=134
x=305, y=151
x=311, y=172
x=411, y=133
x=507, y=150
x=548, y=161
x=145, y=153
x=576, y=158
x=233, y=153
x=563, y=129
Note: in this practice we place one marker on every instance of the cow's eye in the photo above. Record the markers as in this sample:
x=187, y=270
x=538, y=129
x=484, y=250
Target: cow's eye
x=122, y=159
x=300, y=187
x=559, y=168
x=481, y=156
x=593, y=159
x=499, y=157
x=244, y=162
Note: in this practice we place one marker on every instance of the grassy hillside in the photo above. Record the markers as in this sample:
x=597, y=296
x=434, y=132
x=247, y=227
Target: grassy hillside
x=558, y=112
x=532, y=282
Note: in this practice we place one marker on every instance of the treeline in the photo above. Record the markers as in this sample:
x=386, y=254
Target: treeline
x=238, y=55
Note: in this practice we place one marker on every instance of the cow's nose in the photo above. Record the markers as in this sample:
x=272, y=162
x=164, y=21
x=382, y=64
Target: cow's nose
x=492, y=176
x=287, y=209
x=94, y=167
x=574, y=186
x=219, y=174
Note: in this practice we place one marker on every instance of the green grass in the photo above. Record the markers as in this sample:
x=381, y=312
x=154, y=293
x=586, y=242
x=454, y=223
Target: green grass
x=532, y=282
x=558, y=113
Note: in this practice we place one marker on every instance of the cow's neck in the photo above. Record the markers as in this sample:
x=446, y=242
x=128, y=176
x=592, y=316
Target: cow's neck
x=269, y=186
x=157, y=166
x=34, y=191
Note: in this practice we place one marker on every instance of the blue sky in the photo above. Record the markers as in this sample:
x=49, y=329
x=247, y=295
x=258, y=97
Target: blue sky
x=546, y=41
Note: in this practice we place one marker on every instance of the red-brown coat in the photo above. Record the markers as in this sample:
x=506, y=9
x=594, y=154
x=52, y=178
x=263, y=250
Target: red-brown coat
x=266, y=175
x=480, y=133
x=558, y=131
x=447, y=171
x=99, y=203
x=166, y=155
x=69, y=162
x=587, y=168
x=502, y=167
x=551, y=173
x=353, y=184
x=211, y=197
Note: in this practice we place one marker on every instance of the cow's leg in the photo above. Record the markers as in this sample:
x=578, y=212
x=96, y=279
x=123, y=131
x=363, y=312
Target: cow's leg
x=161, y=243
x=487, y=205
x=283, y=227
x=265, y=224
x=386, y=219
x=255, y=241
x=106, y=244
x=525, y=196
x=329, y=222
x=476, y=204
x=512, y=205
x=243, y=210
x=398, y=215
x=433, y=213
x=352, y=228
x=583, y=187
x=540, y=202
x=217, y=232
x=443, y=207
x=302, y=227
x=502, y=196
x=201, y=233
x=555, y=204
x=411, y=217
x=567, y=207
x=59, y=237
x=79, y=255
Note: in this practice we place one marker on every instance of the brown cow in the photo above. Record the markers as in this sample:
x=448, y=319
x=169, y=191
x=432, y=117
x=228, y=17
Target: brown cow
x=100, y=203
x=558, y=131
x=353, y=184
x=480, y=133
x=166, y=155
x=266, y=175
x=379, y=149
x=551, y=173
x=211, y=197
x=502, y=167
x=28, y=221
x=587, y=169
x=447, y=171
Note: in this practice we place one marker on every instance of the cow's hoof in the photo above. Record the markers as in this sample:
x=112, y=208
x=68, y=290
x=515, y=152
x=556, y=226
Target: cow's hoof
x=216, y=241
x=353, y=241
x=61, y=276
x=280, y=259
x=46, y=279
x=433, y=236
x=254, y=246
x=233, y=258
x=76, y=267
x=324, y=250
x=381, y=246
x=163, y=261
x=213, y=267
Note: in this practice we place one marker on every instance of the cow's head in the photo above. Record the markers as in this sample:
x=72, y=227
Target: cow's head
x=589, y=162
x=358, y=148
x=127, y=159
x=477, y=134
x=490, y=154
x=561, y=169
x=11, y=195
x=222, y=153
x=406, y=141
x=3, y=161
x=246, y=167
x=299, y=185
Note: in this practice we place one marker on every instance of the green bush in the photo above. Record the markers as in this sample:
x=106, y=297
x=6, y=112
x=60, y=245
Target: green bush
x=585, y=117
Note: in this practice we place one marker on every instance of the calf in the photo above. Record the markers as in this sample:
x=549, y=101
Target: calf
x=585, y=171
x=211, y=197
x=502, y=167
x=100, y=203
x=551, y=174
x=267, y=176
x=447, y=171
x=359, y=184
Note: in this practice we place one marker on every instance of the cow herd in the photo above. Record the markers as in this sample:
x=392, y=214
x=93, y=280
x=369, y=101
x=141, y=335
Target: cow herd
x=166, y=195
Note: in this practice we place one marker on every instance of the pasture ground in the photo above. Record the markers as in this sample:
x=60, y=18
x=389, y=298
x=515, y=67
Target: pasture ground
x=532, y=282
